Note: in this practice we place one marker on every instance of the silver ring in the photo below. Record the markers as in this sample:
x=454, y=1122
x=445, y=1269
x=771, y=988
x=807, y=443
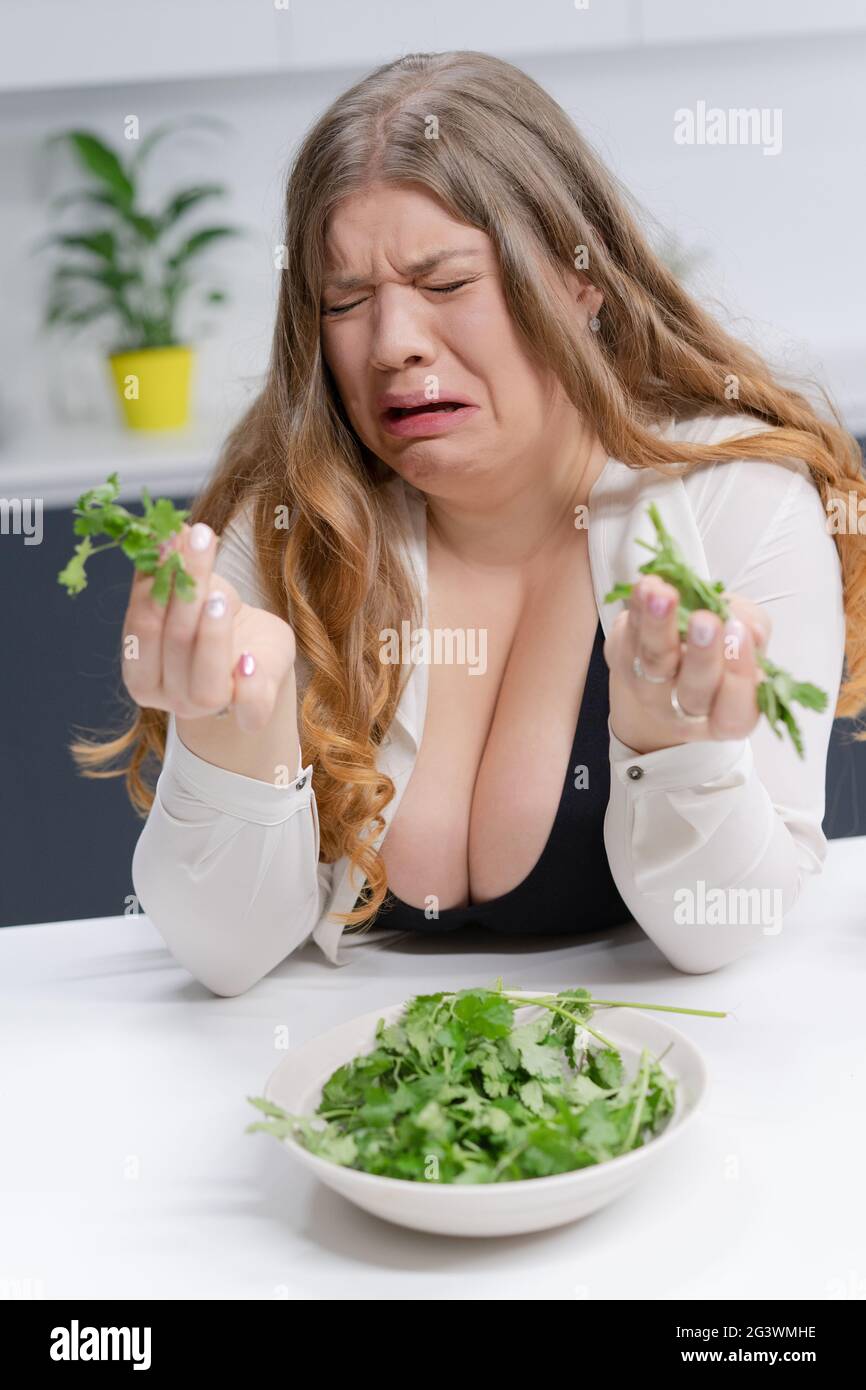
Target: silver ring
x=682, y=714
x=641, y=673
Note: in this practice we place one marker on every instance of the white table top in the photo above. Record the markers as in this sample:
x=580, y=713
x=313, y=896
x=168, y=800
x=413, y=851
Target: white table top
x=125, y=1171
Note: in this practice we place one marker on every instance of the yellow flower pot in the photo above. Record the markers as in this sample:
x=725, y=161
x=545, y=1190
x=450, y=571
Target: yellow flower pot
x=153, y=385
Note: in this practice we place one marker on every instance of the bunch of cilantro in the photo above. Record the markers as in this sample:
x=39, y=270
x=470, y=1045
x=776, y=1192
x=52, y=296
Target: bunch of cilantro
x=456, y=1091
x=778, y=689
x=141, y=538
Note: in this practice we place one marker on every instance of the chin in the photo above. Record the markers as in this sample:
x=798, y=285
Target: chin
x=421, y=467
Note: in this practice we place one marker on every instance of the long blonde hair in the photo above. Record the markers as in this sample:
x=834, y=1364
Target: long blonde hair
x=507, y=159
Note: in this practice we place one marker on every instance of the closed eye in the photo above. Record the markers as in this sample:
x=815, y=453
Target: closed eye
x=447, y=289
x=436, y=289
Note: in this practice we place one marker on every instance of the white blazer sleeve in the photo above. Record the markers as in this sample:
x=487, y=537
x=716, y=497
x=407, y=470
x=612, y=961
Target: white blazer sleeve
x=743, y=814
x=226, y=866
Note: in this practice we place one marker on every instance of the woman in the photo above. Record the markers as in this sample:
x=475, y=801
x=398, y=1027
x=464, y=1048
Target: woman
x=480, y=378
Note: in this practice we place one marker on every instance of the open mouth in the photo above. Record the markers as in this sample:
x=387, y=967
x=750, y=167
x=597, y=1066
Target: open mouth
x=396, y=412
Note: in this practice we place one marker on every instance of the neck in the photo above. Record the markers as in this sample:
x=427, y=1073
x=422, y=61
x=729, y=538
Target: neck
x=507, y=520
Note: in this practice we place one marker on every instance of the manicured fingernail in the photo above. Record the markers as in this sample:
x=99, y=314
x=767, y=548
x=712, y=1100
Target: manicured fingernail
x=247, y=664
x=659, y=604
x=701, y=630
x=216, y=604
x=200, y=536
x=734, y=628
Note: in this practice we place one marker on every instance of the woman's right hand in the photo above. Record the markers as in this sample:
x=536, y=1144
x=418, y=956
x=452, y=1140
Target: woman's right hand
x=195, y=657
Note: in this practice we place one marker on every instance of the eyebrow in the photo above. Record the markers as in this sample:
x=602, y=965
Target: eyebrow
x=427, y=263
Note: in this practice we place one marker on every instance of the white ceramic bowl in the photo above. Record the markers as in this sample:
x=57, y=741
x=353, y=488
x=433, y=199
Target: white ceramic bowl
x=490, y=1209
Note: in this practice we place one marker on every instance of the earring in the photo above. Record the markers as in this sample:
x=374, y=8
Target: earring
x=595, y=323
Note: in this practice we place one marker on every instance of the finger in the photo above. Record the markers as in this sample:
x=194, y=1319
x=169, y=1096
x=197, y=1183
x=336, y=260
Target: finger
x=654, y=632
x=211, y=680
x=753, y=615
x=735, y=712
x=141, y=641
x=197, y=546
x=703, y=663
x=254, y=694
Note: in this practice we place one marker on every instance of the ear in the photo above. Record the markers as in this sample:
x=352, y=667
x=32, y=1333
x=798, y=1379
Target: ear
x=584, y=294
x=589, y=297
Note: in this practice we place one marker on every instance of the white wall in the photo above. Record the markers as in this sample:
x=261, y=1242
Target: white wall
x=782, y=234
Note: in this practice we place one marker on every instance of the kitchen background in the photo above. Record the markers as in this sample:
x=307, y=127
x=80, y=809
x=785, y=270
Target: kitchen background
x=773, y=240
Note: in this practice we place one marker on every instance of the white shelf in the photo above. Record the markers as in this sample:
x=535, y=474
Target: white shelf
x=684, y=21
x=114, y=42
x=59, y=464
x=80, y=43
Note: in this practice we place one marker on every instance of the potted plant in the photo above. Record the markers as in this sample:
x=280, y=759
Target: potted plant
x=136, y=266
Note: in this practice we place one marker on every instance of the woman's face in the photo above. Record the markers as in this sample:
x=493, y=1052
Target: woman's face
x=398, y=329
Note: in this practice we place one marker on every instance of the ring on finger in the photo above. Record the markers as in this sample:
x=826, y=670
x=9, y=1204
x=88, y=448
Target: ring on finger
x=684, y=714
x=644, y=675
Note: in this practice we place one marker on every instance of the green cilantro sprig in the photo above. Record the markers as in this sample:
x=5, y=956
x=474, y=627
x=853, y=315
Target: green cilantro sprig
x=97, y=512
x=778, y=690
x=456, y=1091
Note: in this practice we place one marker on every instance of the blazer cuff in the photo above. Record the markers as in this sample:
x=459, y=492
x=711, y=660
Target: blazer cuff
x=248, y=798
x=673, y=769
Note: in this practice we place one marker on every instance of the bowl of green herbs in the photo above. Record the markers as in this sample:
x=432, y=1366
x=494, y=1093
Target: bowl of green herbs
x=482, y=1112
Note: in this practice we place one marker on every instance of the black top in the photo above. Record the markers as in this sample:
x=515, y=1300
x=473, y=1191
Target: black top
x=570, y=890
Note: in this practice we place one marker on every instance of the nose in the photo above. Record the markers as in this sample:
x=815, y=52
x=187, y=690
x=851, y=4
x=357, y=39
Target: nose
x=401, y=329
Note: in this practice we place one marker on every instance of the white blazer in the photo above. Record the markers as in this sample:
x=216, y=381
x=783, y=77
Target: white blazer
x=227, y=866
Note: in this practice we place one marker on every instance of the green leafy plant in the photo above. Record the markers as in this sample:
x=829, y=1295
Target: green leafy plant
x=136, y=265
x=141, y=538
x=458, y=1080
x=776, y=692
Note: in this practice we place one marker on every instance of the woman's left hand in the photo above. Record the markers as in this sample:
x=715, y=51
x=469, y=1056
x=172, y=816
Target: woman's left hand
x=715, y=678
